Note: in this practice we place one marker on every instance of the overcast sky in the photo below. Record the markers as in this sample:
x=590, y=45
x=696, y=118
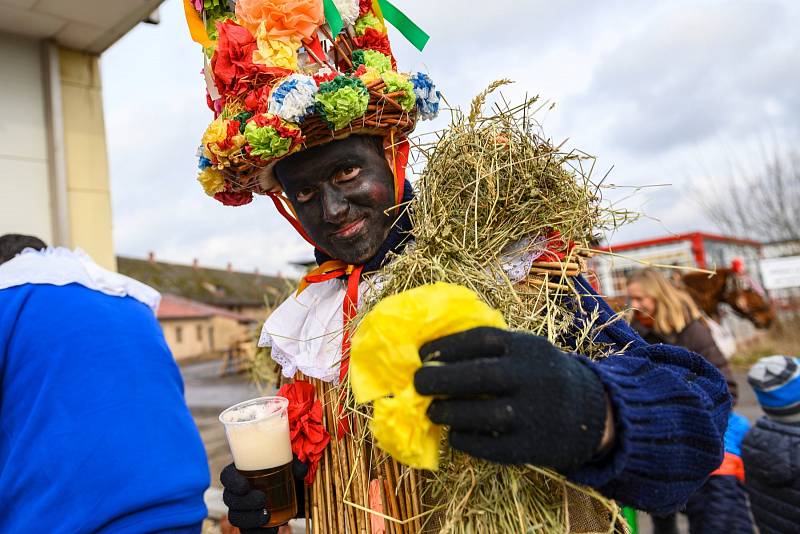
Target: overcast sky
x=669, y=92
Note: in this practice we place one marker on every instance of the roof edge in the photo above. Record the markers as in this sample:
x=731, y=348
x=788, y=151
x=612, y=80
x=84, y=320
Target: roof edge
x=120, y=29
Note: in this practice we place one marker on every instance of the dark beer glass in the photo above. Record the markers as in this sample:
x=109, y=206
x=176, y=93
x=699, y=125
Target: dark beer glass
x=258, y=436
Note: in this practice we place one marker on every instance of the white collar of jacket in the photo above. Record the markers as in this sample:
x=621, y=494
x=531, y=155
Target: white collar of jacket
x=60, y=266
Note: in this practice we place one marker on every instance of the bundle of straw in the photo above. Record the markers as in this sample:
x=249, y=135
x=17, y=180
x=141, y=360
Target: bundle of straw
x=490, y=183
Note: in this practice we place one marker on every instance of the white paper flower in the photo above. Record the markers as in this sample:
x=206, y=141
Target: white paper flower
x=348, y=9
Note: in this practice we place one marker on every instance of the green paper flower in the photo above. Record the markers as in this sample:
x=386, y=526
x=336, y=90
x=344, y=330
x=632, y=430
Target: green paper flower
x=341, y=101
x=399, y=82
x=372, y=58
x=266, y=142
x=368, y=20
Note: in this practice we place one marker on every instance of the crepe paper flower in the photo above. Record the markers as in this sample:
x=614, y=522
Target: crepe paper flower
x=325, y=74
x=257, y=98
x=385, y=355
x=232, y=63
x=372, y=58
x=269, y=136
x=364, y=7
x=203, y=162
x=367, y=74
x=293, y=98
x=369, y=21
x=342, y=100
x=211, y=23
x=306, y=430
x=212, y=180
x=374, y=40
x=222, y=139
x=348, y=9
x=427, y=96
x=297, y=19
x=275, y=52
x=399, y=82
x=234, y=198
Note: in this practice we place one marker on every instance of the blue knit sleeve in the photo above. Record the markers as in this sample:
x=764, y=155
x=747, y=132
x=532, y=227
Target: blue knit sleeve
x=670, y=409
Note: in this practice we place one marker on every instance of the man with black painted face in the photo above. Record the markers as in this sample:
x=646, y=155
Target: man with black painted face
x=342, y=194
x=643, y=427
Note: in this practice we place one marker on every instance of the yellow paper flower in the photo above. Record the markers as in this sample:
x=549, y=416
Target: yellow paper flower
x=275, y=52
x=217, y=142
x=212, y=180
x=385, y=355
x=370, y=75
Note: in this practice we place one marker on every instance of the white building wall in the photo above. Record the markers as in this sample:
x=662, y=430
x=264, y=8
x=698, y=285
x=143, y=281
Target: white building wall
x=24, y=175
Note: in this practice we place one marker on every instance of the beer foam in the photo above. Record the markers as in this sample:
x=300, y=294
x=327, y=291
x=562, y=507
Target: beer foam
x=258, y=436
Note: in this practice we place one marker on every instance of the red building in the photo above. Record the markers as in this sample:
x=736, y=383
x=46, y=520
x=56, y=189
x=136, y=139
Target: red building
x=695, y=249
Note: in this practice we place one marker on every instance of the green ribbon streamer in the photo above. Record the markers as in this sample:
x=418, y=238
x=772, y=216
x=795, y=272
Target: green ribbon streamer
x=399, y=20
x=332, y=17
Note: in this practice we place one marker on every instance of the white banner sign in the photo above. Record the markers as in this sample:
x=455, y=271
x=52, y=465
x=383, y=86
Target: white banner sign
x=781, y=273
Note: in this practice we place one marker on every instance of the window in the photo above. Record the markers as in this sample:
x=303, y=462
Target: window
x=178, y=334
x=199, y=332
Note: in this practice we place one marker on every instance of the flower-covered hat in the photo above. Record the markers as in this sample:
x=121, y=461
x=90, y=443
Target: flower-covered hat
x=284, y=75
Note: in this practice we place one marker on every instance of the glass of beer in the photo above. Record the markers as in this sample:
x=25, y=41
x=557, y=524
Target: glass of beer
x=258, y=435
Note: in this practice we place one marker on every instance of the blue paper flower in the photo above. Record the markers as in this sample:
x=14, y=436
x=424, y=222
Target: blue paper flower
x=427, y=96
x=202, y=161
x=293, y=98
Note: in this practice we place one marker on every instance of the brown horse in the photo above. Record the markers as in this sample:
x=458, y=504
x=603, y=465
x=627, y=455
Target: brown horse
x=735, y=290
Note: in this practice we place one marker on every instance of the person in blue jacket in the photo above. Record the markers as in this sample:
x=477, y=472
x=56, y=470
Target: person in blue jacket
x=771, y=449
x=95, y=435
x=644, y=426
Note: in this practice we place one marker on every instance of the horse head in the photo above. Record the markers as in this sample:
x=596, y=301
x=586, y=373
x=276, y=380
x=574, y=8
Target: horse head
x=747, y=299
x=734, y=289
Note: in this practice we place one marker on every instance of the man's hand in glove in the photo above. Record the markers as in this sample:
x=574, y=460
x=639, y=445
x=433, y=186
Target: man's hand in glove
x=247, y=508
x=514, y=398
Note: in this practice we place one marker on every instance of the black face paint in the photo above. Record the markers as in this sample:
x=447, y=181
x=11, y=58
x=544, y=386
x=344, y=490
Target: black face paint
x=341, y=193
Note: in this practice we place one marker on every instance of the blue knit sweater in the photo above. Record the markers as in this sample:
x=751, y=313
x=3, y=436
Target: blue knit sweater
x=670, y=408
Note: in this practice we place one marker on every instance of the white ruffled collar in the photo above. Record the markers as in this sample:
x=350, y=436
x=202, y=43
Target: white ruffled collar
x=60, y=266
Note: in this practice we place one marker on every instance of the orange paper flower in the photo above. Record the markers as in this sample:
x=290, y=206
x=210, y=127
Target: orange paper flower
x=284, y=19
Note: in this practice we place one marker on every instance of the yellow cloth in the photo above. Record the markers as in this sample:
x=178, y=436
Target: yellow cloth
x=385, y=355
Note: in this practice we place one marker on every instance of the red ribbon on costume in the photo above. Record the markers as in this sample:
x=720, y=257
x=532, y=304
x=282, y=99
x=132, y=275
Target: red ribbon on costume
x=308, y=434
x=328, y=271
x=731, y=465
x=556, y=249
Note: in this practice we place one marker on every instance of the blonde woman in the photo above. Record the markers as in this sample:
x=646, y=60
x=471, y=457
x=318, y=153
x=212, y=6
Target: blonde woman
x=666, y=314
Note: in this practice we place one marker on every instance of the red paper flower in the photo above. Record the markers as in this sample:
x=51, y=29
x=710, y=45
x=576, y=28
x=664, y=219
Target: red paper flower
x=257, y=100
x=325, y=75
x=232, y=64
x=308, y=434
x=374, y=40
x=235, y=198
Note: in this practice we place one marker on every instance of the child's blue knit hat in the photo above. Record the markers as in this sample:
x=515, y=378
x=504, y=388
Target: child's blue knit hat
x=776, y=381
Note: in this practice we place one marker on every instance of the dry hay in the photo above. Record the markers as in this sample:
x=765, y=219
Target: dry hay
x=490, y=183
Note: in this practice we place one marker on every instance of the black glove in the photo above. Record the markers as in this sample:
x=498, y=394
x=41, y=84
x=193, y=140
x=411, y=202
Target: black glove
x=247, y=507
x=514, y=398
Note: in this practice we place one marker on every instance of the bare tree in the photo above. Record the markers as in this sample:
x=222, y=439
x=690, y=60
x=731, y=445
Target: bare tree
x=764, y=205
